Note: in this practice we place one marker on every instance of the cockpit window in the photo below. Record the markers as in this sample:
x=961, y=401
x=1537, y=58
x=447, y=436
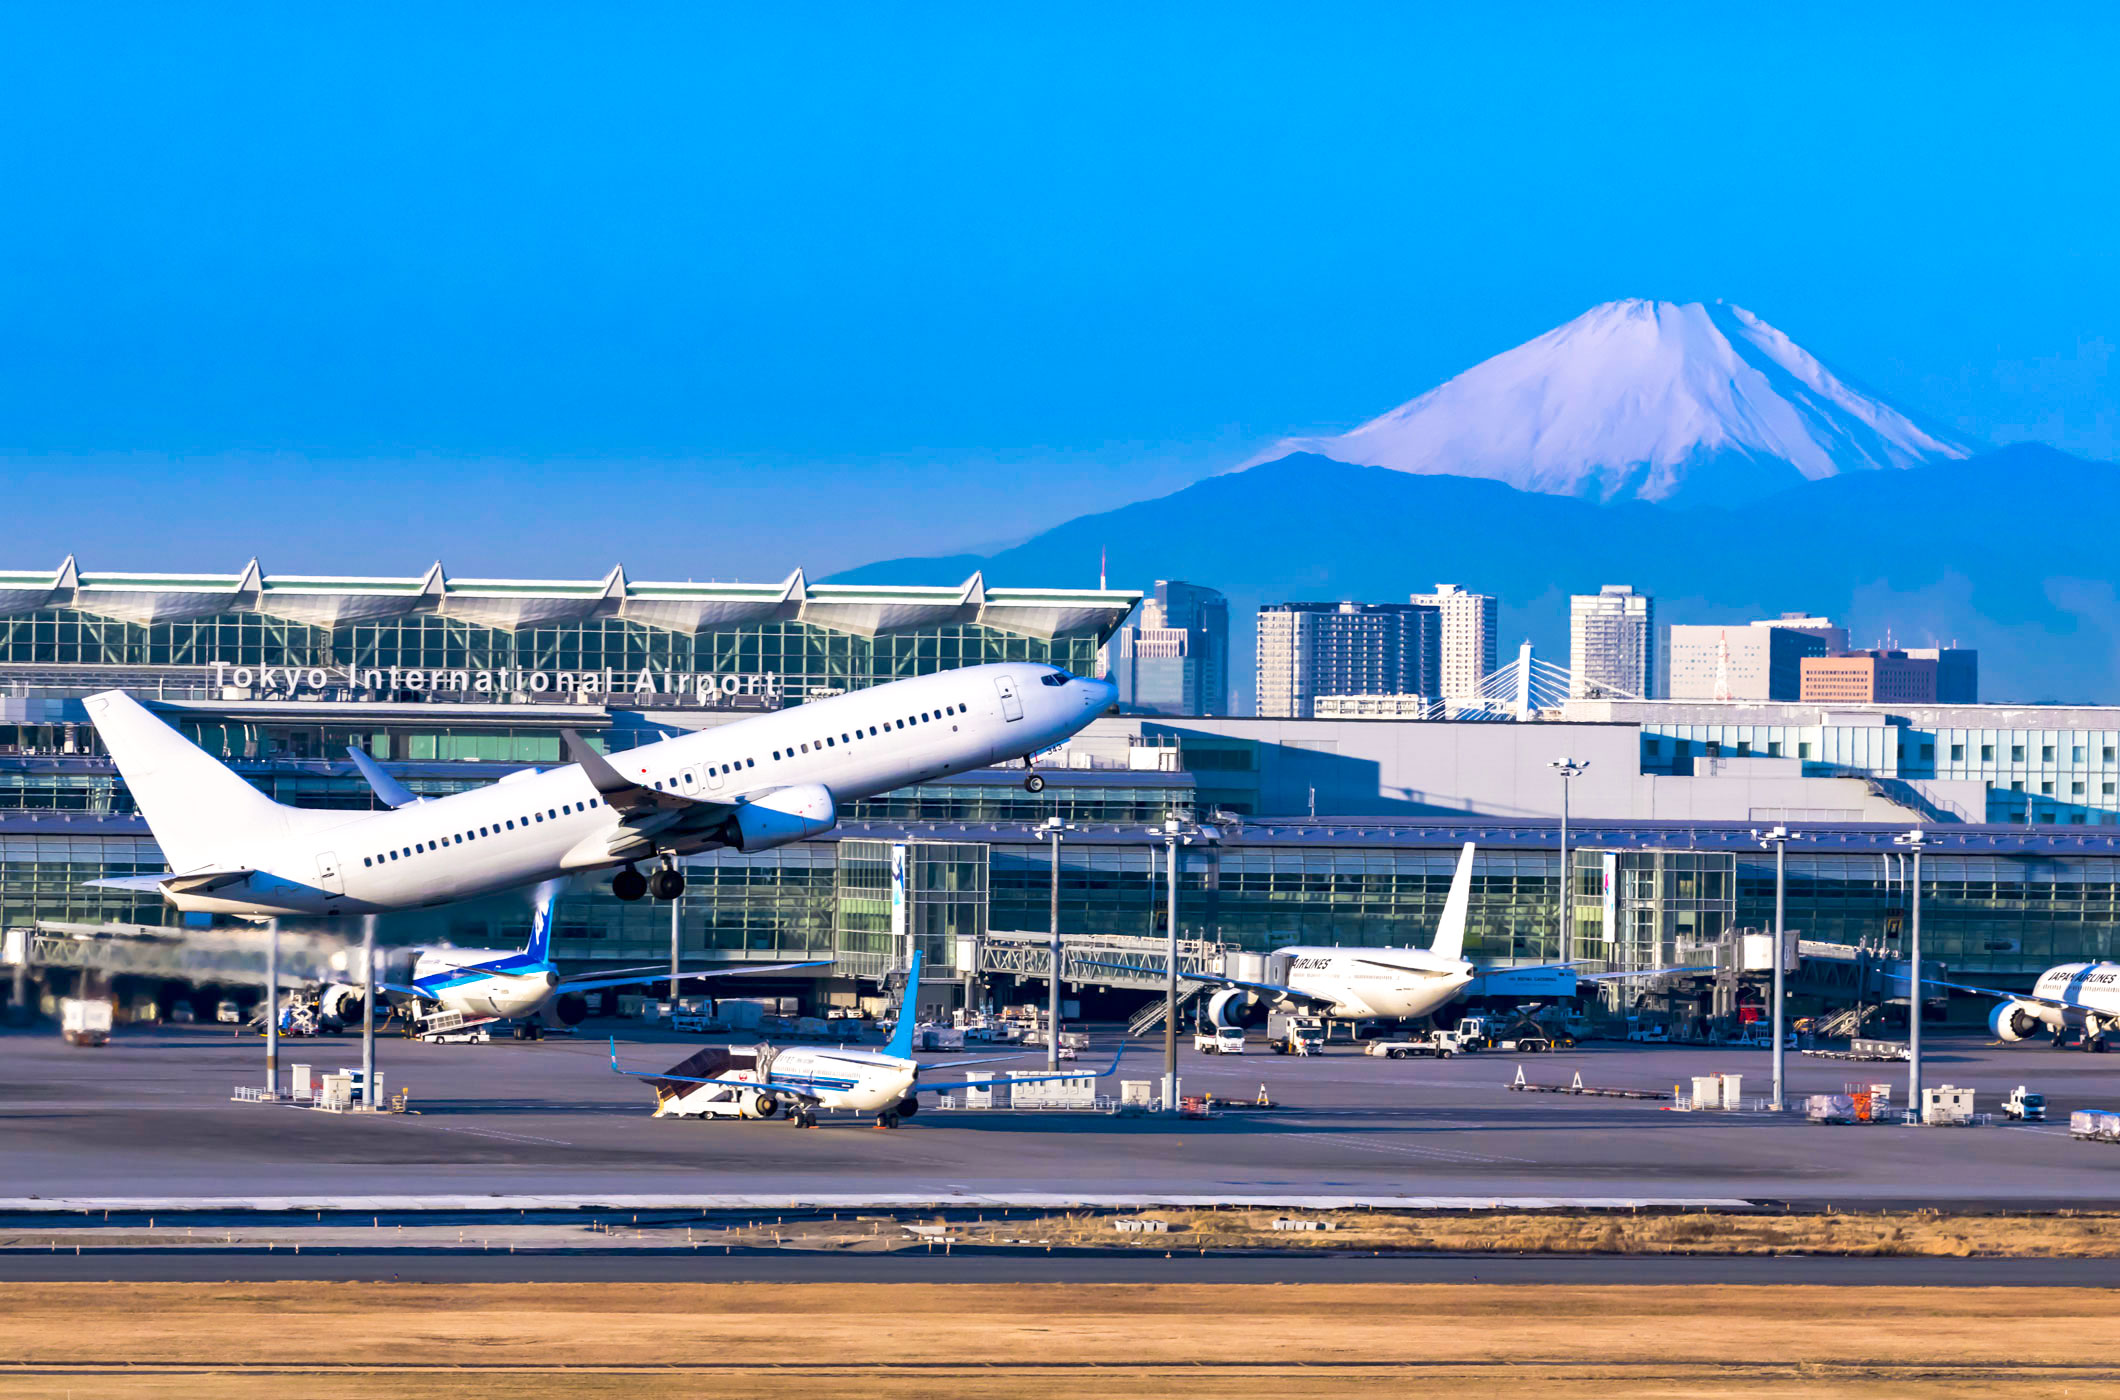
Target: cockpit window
x=1054, y=678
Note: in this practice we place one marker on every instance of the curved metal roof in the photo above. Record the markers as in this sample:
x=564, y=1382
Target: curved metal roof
x=507, y=604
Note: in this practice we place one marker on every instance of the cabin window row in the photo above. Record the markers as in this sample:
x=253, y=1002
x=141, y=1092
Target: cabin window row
x=820, y=745
x=418, y=848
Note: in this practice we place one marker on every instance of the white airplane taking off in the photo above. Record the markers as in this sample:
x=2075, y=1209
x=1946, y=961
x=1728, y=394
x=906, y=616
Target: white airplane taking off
x=752, y=785
x=1391, y=984
x=2085, y=994
x=804, y=1080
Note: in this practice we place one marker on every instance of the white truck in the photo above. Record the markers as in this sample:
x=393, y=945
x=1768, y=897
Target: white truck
x=1290, y=1034
x=1219, y=1040
x=1441, y=1044
x=2025, y=1106
x=85, y=1020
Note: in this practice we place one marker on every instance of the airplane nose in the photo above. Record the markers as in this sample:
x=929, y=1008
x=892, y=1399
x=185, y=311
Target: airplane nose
x=1100, y=694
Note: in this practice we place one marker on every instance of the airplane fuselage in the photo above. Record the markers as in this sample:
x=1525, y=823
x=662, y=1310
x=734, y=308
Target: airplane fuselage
x=533, y=825
x=1383, y=983
x=2085, y=994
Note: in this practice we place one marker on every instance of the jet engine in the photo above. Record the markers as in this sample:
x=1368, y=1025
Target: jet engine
x=790, y=814
x=340, y=1003
x=1226, y=1005
x=2013, y=1021
x=764, y=1105
x=570, y=1008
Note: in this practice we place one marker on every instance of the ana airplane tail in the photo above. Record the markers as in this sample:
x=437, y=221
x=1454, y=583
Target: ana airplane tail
x=541, y=920
x=200, y=812
x=1450, y=933
x=901, y=1043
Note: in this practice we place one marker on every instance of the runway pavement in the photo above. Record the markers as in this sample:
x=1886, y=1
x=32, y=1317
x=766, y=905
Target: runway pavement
x=149, y=1116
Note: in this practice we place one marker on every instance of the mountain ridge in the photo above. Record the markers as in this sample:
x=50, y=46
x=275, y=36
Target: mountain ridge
x=1643, y=400
x=1921, y=553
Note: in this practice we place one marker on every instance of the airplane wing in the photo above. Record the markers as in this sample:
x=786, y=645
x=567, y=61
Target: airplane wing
x=1997, y=992
x=190, y=882
x=804, y=1088
x=1401, y=967
x=625, y=796
x=1597, y=976
x=953, y=1086
x=386, y=787
x=1270, y=988
x=630, y=976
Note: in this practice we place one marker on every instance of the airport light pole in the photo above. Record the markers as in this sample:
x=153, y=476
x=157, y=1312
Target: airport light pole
x=1170, y=972
x=1914, y=841
x=1052, y=828
x=272, y=1007
x=369, y=1098
x=1567, y=768
x=1779, y=838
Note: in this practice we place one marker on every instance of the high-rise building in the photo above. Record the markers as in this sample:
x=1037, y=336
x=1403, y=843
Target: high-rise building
x=1311, y=649
x=1834, y=639
x=1612, y=643
x=1174, y=658
x=1470, y=622
x=1762, y=661
x=1957, y=673
x=1869, y=678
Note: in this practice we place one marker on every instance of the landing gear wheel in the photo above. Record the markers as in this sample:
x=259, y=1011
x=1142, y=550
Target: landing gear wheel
x=629, y=884
x=887, y=1119
x=667, y=883
x=1034, y=783
x=803, y=1118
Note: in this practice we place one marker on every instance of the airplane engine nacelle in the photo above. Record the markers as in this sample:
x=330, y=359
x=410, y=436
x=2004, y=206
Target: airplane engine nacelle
x=792, y=813
x=2014, y=1021
x=340, y=1003
x=571, y=1008
x=1226, y=1005
x=764, y=1105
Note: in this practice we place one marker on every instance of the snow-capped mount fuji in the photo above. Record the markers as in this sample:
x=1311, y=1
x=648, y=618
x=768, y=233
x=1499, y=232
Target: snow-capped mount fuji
x=1644, y=400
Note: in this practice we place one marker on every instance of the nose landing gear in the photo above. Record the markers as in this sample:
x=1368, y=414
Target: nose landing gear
x=1031, y=781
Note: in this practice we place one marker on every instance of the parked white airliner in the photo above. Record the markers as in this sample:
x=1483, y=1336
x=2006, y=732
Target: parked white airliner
x=807, y=1080
x=1384, y=984
x=2085, y=994
x=752, y=785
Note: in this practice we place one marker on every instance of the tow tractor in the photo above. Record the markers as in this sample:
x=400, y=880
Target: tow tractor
x=1441, y=1044
x=2025, y=1106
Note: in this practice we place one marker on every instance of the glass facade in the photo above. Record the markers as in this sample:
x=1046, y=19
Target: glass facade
x=806, y=659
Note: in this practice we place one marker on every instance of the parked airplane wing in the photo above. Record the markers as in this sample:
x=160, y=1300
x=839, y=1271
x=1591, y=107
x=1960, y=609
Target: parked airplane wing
x=629, y=976
x=1215, y=980
x=2032, y=997
x=955, y=1085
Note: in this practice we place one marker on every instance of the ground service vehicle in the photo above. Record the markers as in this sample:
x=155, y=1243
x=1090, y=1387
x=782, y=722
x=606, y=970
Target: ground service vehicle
x=2025, y=1106
x=1219, y=1040
x=1290, y=1034
x=1441, y=1044
x=85, y=1020
x=228, y=1013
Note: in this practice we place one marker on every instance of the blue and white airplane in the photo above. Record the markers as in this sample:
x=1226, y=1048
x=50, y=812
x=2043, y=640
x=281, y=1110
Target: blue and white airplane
x=504, y=984
x=804, y=1080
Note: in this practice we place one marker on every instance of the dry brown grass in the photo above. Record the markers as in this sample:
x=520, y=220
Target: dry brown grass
x=2070, y=1235
x=438, y=1342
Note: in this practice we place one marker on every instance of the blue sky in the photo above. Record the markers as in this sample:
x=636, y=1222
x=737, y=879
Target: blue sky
x=721, y=291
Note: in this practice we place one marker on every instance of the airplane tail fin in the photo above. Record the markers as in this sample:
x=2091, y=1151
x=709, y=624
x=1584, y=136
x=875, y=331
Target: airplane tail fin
x=901, y=1043
x=1450, y=933
x=197, y=809
x=541, y=920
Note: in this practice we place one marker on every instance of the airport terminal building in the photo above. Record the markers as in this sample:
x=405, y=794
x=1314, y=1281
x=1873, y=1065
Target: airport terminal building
x=1303, y=831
